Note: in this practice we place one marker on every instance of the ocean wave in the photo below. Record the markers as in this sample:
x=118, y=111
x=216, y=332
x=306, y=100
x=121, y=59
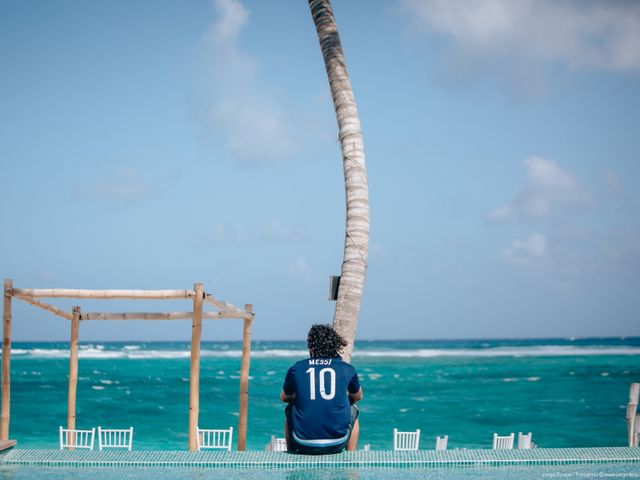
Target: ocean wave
x=126, y=352
x=528, y=351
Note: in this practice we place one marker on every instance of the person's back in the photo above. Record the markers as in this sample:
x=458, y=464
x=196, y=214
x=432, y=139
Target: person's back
x=321, y=391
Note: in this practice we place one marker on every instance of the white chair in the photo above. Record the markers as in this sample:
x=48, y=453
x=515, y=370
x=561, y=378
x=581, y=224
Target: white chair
x=277, y=444
x=72, y=438
x=115, y=438
x=441, y=442
x=215, y=439
x=524, y=441
x=503, y=442
x=406, y=440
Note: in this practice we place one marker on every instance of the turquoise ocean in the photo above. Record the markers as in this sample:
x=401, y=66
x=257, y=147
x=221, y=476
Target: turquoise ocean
x=567, y=392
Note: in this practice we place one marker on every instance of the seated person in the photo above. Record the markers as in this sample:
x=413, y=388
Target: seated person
x=321, y=392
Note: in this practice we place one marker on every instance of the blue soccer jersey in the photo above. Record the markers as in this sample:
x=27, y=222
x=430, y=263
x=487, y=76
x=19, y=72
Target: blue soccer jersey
x=321, y=410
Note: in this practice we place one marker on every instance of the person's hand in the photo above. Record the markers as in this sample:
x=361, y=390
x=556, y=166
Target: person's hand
x=287, y=398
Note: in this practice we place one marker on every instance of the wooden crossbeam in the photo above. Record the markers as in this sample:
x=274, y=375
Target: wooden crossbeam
x=45, y=306
x=154, y=316
x=103, y=294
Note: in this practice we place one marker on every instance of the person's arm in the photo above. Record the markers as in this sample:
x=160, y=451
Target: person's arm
x=286, y=397
x=288, y=392
x=355, y=397
x=354, y=390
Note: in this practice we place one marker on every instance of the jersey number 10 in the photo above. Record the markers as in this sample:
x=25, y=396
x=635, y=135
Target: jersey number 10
x=326, y=394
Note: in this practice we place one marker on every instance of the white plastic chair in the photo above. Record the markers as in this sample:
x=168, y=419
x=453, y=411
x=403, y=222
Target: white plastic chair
x=524, y=441
x=503, y=442
x=277, y=444
x=441, y=442
x=406, y=440
x=72, y=438
x=215, y=439
x=115, y=438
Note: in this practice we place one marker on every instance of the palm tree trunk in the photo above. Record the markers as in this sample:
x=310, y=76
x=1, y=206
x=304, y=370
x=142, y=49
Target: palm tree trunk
x=356, y=246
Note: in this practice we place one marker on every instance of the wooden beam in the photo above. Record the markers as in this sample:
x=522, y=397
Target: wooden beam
x=44, y=306
x=244, y=379
x=73, y=368
x=194, y=375
x=219, y=304
x=632, y=409
x=227, y=309
x=103, y=294
x=153, y=316
x=138, y=316
x=233, y=314
x=5, y=410
x=6, y=445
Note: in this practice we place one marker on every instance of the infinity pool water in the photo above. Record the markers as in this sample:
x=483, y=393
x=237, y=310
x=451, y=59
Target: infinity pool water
x=611, y=471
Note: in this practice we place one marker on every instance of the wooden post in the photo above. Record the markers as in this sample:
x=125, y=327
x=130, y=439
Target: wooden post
x=194, y=376
x=244, y=380
x=73, y=369
x=6, y=361
x=632, y=418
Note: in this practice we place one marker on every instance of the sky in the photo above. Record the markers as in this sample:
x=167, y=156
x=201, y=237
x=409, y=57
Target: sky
x=156, y=144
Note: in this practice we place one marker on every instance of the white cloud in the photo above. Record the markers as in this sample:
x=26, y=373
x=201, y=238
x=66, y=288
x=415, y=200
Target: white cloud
x=272, y=232
x=525, y=48
x=531, y=251
x=277, y=232
x=125, y=186
x=602, y=34
x=548, y=191
x=232, y=17
x=228, y=235
x=299, y=267
x=612, y=181
x=257, y=122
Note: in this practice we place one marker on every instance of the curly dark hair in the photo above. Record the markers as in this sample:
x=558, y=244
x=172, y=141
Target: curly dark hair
x=324, y=341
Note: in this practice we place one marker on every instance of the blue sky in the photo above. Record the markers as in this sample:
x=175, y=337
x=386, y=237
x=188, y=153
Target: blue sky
x=154, y=144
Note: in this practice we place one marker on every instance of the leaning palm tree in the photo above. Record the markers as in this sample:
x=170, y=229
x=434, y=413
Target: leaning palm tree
x=356, y=246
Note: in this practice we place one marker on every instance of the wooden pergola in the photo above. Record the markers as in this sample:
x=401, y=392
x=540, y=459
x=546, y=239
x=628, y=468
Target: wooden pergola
x=197, y=315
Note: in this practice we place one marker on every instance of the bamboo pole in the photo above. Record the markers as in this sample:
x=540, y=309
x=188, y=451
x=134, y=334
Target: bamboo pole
x=244, y=379
x=233, y=314
x=5, y=412
x=219, y=304
x=153, y=316
x=104, y=294
x=73, y=368
x=224, y=314
x=227, y=309
x=194, y=376
x=138, y=316
x=45, y=306
x=632, y=417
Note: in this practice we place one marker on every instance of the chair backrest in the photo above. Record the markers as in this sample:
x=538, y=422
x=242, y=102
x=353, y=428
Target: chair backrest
x=503, y=442
x=218, y=439
x=277, y=444
x=72, y=438
x=524, y=441
x=406, y=440
x=115, y=438
x=441, y=442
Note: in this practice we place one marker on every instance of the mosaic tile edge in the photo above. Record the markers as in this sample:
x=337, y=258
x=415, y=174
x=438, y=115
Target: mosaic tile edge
x=360, y=459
